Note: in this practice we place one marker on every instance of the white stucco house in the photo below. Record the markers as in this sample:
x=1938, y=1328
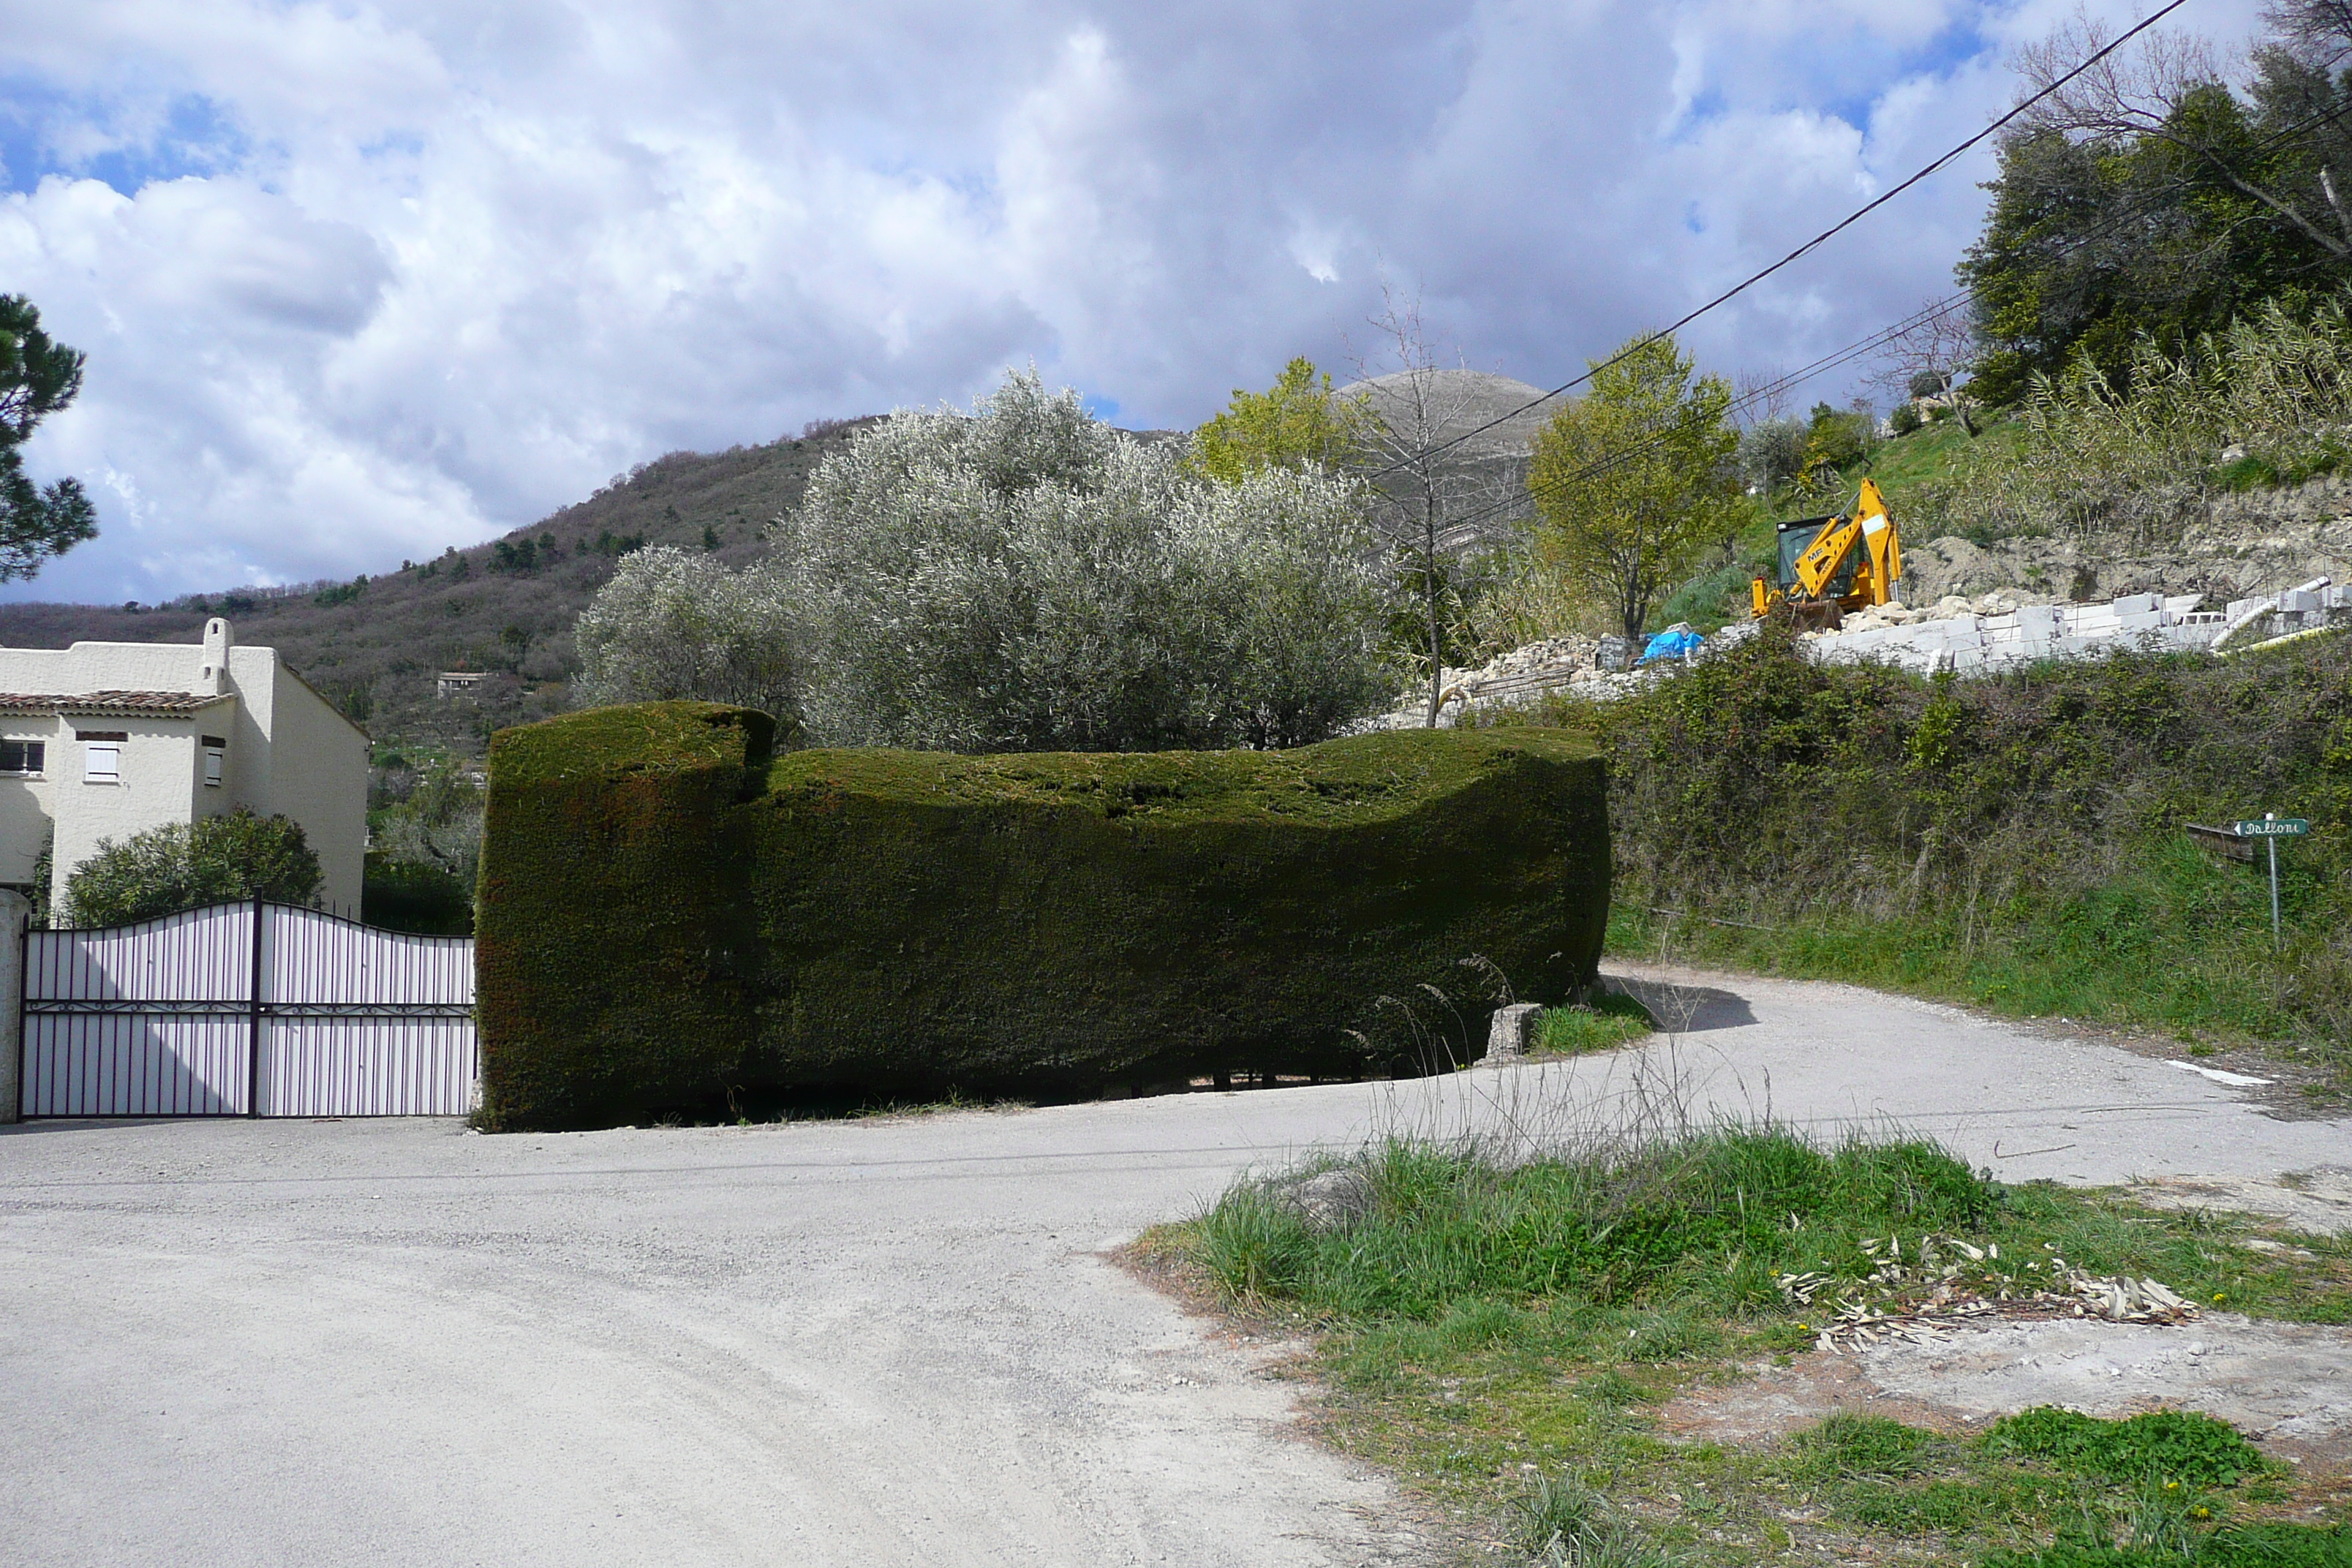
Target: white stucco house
x=103, y=740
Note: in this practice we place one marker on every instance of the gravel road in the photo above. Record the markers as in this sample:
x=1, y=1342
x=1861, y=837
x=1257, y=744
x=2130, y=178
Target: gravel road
x=886, y=1342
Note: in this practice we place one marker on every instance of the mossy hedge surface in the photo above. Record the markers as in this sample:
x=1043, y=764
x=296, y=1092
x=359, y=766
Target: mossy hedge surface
x=668, y=914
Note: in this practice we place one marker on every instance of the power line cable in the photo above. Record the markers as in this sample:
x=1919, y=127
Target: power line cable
x=2138, y=207
x=1813, y=244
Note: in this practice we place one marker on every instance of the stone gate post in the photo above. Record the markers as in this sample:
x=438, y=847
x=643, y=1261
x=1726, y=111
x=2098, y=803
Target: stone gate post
x=16, y=912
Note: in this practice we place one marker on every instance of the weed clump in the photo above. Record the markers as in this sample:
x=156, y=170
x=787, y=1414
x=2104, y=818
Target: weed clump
x=2181, y=1447
x=1562, y=1524
x=1713, y=1216
x=2253, y=1545
x=1857, y=1445
x=2145, y=1491
x=1603, y=1023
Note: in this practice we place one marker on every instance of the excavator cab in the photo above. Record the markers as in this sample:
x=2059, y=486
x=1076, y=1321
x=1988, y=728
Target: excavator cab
x=1829, y=566
x=1798, y=535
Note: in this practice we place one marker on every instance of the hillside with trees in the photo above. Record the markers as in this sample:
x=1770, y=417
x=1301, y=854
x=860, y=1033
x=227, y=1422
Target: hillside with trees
x=374, y=643
x=2163, y=194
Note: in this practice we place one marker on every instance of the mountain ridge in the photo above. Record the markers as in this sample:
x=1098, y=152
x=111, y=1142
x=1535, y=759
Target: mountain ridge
x=374, y=644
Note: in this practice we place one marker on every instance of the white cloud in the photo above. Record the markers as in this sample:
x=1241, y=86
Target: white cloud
x=360, y=280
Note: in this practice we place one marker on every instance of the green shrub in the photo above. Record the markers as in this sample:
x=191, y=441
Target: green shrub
x=185, y=866
x=1709, y=601
x=1905, y=418
x=2015, y=841
x=669, y=916
x=402, y=895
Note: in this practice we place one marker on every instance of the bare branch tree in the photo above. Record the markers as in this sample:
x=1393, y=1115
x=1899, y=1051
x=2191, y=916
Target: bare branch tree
x=1936, y=350
x=1761, y=396
x=1430, y=498
x=2316, y=32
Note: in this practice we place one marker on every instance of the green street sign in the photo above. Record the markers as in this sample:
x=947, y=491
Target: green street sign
x=2277, y=828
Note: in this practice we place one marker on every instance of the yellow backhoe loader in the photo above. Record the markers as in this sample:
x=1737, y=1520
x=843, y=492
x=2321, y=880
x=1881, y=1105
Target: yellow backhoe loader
x=1833, y=565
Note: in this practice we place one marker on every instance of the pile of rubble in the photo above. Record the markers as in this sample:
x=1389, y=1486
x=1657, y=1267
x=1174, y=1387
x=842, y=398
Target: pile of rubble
x=1949, y=607
x=1589, y=666
x=1991, y=631
x=1995, y=631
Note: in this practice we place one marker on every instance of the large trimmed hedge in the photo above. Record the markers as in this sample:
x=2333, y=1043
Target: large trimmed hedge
x=668, y=915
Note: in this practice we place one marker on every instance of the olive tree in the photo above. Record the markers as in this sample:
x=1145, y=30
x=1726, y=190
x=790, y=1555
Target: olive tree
x=430, y=815
x=675, y=625
x=1772, y=451
x=1026, y=578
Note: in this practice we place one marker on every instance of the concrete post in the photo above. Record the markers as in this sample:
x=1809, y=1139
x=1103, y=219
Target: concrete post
x=16, y=912
x=1510, y=1033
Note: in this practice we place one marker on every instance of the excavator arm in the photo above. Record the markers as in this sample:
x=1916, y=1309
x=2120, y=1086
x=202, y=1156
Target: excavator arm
x=1824, y=555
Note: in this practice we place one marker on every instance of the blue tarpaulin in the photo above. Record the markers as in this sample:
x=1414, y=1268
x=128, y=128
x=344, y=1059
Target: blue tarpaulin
x=1672, y=645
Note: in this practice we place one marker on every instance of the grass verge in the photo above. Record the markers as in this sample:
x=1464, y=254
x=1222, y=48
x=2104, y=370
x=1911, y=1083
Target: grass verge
x=2175, y=942
x=2016, y=841
x=1500, y=1334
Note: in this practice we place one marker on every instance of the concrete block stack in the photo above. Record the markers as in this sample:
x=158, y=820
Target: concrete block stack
x=2314, y=607
x=1963, y=635
x=1971, y=636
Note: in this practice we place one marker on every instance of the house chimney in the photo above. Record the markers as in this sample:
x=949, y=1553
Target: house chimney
x=212, y=678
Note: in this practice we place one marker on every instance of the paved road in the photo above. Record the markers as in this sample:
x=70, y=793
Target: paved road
x=884, y=1343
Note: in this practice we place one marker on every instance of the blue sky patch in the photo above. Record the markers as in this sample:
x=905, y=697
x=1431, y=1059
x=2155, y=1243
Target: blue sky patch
x=1940, y=57
x=194, y=138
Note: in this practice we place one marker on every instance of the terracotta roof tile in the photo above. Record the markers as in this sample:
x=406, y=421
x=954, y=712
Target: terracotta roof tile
x=158, y=702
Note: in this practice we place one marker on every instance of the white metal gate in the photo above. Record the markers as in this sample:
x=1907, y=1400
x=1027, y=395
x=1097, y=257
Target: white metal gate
x=247, y=1009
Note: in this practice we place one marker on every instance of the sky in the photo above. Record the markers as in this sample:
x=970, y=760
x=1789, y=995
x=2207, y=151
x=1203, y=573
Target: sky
x=358, y=282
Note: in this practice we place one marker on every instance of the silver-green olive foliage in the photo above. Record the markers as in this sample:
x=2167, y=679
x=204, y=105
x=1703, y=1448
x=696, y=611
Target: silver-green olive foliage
x=1022, y=577
x=675, y=625
x=1026, y=578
